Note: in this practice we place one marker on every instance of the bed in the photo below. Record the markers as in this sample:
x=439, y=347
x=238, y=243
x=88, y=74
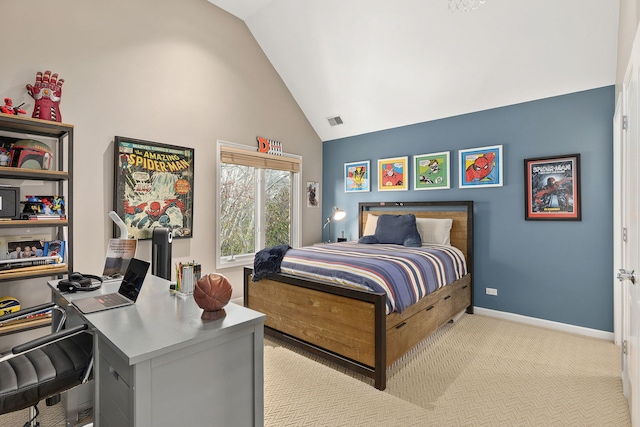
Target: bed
x=355, y=327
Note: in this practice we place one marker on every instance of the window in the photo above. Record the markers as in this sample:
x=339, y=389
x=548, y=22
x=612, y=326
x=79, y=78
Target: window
x=257, y=203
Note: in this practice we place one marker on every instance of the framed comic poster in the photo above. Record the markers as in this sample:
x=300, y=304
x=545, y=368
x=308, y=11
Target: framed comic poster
x=431, y=171
x=552, y=188
x=313, y=194
x=481, y=167
x=357, y=176
x=393, y=174
x=153, y=187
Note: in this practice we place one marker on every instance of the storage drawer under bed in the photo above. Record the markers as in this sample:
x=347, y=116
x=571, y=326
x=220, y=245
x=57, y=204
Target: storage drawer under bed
x=436, y=309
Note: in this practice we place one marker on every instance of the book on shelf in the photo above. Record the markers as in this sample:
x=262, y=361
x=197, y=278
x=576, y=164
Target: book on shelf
x=35, y=263
x=34, y=217
x=25, y=322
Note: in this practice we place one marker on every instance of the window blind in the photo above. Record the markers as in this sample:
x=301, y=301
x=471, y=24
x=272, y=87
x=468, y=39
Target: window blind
x=238, y=156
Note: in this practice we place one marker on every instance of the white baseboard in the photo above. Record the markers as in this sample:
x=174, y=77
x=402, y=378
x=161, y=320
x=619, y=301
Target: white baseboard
x=594, y=333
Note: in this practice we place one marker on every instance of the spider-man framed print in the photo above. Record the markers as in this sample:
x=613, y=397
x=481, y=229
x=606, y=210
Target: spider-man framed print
x=153, y=187
x=481, y=167
x=552, y=188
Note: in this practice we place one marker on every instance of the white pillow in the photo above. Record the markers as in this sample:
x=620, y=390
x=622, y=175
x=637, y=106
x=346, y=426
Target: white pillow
x=370, y=226
x=434, y=230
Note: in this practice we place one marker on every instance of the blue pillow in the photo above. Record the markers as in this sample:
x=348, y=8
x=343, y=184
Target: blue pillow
x=368, y=240
x=398, y=230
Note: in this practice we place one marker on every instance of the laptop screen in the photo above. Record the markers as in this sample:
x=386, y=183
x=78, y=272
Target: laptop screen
x=133, y=279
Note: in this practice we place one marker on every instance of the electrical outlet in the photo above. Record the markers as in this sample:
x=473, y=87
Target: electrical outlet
x=492, y=291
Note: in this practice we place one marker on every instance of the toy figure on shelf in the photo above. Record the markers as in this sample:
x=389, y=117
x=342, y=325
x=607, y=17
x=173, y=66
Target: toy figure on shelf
x=8, y=108
x=47, y=93
x=4, y=157
x=30, y=154
x=57, y=205
x=33, y=205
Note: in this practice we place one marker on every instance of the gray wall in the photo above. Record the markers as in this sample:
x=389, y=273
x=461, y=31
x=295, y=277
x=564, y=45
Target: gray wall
x=178, y=72
x=554, y=270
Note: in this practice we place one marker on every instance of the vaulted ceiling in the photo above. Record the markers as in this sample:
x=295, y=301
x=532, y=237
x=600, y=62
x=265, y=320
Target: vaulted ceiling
x=383, y=64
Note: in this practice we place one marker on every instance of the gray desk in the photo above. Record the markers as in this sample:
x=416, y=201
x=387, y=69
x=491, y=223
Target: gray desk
x=158, y=364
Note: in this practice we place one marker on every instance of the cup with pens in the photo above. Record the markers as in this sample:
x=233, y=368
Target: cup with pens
x=187, y=274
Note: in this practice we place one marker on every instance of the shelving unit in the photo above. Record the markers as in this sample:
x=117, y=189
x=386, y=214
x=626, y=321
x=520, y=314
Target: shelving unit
x=61, y=177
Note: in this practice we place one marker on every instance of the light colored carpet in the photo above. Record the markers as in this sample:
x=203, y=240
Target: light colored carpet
x=479, y=371
x=49, y=416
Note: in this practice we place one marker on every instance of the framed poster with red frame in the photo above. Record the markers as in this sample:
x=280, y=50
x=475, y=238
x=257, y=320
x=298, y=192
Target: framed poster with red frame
x=153, y=187
x=552, y=188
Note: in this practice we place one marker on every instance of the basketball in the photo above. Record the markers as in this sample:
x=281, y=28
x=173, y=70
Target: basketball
x=212, y=292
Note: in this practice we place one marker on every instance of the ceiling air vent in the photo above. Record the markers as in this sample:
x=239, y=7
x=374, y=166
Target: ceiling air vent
x=335, y=121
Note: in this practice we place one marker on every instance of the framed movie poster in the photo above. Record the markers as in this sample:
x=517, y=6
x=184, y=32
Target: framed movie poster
x=153, y=187
x=431, y=171
x=552, y=188
x=357, y=176
x=393, y=174
x=481, y=167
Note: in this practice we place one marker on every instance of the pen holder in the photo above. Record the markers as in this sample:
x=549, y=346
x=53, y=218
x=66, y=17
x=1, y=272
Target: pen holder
x=212, y=293
x=187, y=276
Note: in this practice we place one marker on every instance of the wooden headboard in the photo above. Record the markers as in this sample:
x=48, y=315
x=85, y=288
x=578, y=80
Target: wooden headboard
x=461, y=212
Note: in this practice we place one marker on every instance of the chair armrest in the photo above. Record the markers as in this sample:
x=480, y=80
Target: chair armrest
x=26, y=311
x=48, y=339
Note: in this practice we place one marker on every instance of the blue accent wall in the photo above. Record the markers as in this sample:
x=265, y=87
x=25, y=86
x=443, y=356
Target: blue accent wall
x=554, y=270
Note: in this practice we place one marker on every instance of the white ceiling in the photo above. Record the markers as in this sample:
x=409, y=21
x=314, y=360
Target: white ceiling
x=381, y=64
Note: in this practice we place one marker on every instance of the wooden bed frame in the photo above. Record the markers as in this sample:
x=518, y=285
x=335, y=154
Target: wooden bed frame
x=349, y=326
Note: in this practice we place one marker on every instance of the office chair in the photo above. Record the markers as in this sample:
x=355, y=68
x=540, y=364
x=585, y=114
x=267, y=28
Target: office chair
x=44, y=367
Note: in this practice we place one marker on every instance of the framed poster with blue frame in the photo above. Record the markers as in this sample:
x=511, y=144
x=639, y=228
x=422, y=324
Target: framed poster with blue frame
x=481, y=167
x=357, y=176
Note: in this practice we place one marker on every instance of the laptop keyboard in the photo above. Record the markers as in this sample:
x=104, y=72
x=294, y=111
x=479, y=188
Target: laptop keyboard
x=111, y=300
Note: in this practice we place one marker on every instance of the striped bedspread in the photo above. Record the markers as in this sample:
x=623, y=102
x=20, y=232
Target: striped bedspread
x=404, y=274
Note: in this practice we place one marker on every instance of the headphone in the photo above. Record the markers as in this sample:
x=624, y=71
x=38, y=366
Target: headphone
x=80, y=282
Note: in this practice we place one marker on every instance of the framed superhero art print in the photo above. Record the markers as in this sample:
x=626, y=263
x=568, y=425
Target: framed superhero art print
x=481, y=167
x=153, y=187
x=393, y=174
x=431, y=171
x=552, y=188
x=357, y=176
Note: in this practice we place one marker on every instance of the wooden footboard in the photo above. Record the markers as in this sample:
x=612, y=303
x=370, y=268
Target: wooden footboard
x=349, y=326
x=342, y=324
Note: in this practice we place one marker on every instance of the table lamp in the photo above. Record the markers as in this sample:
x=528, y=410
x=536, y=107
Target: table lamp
x=336, y=214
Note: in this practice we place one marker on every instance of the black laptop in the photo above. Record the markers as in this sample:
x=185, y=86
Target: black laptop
x=126, y=295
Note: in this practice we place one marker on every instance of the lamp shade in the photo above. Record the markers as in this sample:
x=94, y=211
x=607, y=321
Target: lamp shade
x=338, y=213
